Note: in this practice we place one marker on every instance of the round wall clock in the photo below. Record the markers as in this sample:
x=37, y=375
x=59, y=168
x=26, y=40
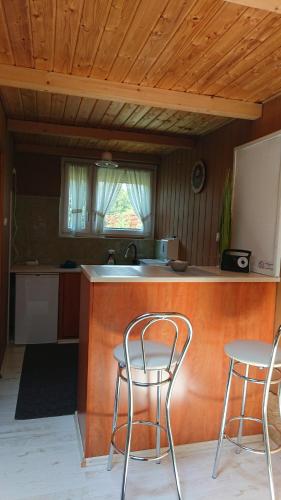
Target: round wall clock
x=198, y=176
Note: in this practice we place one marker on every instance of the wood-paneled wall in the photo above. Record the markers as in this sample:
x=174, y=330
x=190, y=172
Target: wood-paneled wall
x=37, y=174
x=5, y=189
x=195, y=218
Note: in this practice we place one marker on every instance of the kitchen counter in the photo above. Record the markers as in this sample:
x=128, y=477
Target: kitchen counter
x=221, y=306
x=42, y=269
x=193, y=274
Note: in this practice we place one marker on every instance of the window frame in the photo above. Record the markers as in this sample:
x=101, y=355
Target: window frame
x=111, y=233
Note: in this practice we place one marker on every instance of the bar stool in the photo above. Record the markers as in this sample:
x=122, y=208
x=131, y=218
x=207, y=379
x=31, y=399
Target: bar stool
x=145, y=357
x=251, y=353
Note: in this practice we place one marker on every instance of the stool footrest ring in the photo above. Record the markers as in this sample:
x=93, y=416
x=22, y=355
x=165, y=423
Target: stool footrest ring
x=249, y=448
x=147, y=384
x=256, y=380
x=139, y=457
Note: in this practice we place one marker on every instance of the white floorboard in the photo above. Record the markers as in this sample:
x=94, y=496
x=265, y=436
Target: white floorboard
x=40, y=460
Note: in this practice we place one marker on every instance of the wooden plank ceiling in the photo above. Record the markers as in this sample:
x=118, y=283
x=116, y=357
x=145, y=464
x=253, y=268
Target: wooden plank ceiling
x=70, y=110
x=207, y=47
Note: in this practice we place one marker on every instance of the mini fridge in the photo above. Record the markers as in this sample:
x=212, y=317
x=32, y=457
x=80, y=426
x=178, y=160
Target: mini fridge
x=36, y=308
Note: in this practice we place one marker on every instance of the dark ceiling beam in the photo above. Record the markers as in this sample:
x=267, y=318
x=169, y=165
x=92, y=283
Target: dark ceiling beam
x=41, y=128
x=91, y=154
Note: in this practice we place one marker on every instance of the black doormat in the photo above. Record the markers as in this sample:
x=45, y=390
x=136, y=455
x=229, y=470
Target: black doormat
x=48, y=383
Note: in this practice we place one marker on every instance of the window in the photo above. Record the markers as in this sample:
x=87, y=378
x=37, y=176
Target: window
x=122, y=214
x=102, y=201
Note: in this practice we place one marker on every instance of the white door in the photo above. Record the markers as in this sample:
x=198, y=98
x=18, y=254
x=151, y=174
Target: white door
x=256, y=203
x=36, y=310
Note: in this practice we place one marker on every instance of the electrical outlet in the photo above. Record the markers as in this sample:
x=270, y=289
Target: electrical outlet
x=217, y=237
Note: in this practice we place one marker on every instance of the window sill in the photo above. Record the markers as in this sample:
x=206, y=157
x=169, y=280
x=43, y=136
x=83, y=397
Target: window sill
x=107, y=236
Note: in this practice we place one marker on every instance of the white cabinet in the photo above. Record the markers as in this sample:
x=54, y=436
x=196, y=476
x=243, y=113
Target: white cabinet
x=36, y=308
x=256, y=203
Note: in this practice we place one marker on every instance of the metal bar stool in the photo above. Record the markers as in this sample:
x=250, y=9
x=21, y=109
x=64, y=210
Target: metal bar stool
x=147, y=356
x=251, y=353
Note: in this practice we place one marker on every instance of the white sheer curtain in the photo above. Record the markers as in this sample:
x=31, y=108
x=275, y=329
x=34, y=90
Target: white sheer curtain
x=108, y=185
x=75, y=200
x=139, y=189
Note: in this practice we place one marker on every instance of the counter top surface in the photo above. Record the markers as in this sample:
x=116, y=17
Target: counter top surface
x=42, y=269
x=137, y=274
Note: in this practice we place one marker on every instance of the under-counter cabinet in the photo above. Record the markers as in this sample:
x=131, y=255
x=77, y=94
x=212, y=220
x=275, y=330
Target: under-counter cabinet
x=69, y=305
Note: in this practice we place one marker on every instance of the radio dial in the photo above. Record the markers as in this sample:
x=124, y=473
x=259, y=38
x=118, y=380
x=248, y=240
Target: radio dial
x=242, y=262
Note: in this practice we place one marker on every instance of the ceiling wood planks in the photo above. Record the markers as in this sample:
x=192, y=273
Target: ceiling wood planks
x=40, y=80
x=93, y=113
x=202, y=38
x=172, y=44
x=168, y=66
x=270, y=5
x=30, y=127
x=204, y=62
x=18, y=21
x=42, y=20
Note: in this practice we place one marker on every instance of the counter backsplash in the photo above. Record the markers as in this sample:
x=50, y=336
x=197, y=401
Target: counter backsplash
x=37, y=220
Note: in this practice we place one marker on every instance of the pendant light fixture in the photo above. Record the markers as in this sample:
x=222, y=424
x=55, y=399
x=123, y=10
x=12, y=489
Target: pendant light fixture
x=106, y=161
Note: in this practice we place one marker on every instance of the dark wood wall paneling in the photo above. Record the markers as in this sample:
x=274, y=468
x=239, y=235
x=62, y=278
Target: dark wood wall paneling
x=195, y=218
x=5, y=190
x=37, y=175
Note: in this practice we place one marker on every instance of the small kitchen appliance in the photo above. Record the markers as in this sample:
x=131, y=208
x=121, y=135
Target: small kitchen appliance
x=236, y=260
x=165, y=250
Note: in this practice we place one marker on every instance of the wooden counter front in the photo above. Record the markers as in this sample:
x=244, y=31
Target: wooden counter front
x=219, y=312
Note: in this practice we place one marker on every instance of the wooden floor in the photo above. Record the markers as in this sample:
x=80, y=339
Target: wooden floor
x=40, y=460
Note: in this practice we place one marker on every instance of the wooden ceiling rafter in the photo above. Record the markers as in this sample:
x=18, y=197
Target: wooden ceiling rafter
x=269, y=5
x=142, y=158
x=41, y=128
x=32, y=79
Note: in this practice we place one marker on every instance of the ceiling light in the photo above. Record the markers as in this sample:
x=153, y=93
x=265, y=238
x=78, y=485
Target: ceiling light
x=106, y=161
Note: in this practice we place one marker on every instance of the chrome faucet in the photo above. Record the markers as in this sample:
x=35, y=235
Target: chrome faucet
x=135, y=259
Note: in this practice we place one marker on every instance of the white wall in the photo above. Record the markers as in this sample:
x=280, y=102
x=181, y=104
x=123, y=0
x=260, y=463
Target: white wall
x=256, y=202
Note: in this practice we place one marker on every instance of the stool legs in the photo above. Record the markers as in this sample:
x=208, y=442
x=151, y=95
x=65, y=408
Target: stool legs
x=223, y=422
x=279, y=398
x=129, y=430
x=268, y=455
x=267, y=442
x=115, y=416
x=244, y=396
x=128, y=437
x=171, y=441
x=158, y=416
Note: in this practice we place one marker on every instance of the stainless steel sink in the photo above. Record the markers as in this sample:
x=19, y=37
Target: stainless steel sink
x=118, y=271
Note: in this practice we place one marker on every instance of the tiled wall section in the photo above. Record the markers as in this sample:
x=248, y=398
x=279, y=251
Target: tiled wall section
x=36, y=237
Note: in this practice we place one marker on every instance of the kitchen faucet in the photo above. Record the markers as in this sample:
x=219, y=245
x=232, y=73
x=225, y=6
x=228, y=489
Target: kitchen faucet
x=135, y=259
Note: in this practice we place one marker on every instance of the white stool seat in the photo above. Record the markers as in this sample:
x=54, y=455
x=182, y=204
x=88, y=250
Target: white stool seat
x=252, y=352
x=157, y=355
